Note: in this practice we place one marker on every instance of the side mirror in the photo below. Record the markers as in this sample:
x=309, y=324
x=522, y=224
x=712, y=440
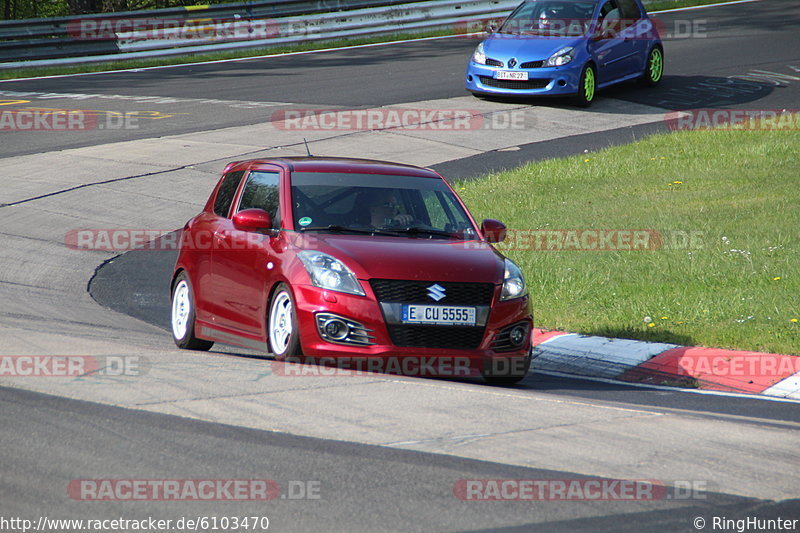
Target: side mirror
x=253, y=220
x=491, y=27
x=493, y=230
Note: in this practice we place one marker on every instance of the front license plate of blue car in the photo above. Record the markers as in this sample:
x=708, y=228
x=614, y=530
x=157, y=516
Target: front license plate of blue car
x=439, y=315
x=510, y=75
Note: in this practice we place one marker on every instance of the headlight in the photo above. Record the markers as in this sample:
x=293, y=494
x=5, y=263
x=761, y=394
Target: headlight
x=479, y=56
x=327, y=272
x=513, y=282
x=562, y=57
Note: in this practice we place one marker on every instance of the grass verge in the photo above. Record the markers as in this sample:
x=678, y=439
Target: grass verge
x=32, y=72
x=735, y=192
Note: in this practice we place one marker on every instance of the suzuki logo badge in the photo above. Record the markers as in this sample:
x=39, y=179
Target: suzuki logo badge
x=436, y=292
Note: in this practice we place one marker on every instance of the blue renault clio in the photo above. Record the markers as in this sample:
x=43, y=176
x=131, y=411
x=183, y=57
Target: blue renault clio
x=567, y=48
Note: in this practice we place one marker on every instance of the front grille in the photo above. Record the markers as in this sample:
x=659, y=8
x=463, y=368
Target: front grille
x=493, y=62
x=502, y=342
x=406, y=291
x=532, y=64
x=515, y=84
x=452, y=337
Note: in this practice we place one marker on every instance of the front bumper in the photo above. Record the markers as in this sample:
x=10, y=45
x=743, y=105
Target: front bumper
x=384, y=355
x=544, y=81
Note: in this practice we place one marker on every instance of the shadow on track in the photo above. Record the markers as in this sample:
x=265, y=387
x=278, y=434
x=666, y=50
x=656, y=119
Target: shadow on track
x=675, y=93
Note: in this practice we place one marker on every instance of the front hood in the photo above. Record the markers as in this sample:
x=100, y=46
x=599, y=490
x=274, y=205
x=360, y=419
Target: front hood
x=525, y=48
x=409, y=258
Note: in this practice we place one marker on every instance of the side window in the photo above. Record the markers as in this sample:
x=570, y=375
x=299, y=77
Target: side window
x=226, y=192
x=607, y=8
x=610, y=18
x=261, y=192
x=630, y=11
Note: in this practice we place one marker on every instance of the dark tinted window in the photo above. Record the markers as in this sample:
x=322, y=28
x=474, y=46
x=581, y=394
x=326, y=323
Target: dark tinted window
x=226, y=192
x=366, y=202
x=261, y=192
x=629, y=9
x=556, y=18
x=609, y=8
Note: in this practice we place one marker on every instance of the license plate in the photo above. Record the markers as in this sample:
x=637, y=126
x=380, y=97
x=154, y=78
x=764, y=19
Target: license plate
x=440, y=315
x=508, y=75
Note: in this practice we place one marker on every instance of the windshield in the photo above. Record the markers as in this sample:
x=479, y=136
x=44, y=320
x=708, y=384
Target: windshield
x=403, y=206
x=553, y=18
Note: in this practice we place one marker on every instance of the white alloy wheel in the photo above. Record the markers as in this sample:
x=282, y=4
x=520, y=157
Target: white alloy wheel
x=281, y=323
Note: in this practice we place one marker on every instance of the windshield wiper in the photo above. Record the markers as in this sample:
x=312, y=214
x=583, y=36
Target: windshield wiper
x=345, y=229
x=416, y=230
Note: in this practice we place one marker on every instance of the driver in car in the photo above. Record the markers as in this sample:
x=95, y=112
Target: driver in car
x=383, y=208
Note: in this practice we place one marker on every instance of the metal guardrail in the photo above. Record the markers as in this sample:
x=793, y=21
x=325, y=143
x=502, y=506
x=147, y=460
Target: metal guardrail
x=265, y=23
x=56, y=26
x=48, y=42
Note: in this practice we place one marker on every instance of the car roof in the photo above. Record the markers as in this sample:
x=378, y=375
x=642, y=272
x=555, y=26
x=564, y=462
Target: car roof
x=343, y=165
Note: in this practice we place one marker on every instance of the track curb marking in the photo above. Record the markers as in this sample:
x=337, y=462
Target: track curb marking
x=653, y=363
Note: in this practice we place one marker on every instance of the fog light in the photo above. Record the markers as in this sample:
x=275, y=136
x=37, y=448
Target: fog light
x=562, y=83
x=342, y=330
x=470, y=77
x=517, y=335
x=336, y=329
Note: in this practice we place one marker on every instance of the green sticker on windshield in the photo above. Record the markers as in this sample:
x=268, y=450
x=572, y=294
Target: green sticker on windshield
x=305, y=221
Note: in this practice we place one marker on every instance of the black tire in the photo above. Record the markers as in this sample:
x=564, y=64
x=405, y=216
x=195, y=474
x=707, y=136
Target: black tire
x=654, y=68
x=183, y=316
x=586, y=90
x=506, y=379
x=283, y=330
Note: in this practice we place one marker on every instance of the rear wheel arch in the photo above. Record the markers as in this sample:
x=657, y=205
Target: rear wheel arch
x=175, y=275
x=650, y=77
x=183, y=318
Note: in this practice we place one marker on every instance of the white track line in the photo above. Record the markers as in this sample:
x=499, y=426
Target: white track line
x=676, y=9
x=353, y=47
x=665, y=388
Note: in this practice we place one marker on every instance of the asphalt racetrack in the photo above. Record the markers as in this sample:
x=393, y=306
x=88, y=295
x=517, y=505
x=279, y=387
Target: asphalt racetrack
x=375, y=453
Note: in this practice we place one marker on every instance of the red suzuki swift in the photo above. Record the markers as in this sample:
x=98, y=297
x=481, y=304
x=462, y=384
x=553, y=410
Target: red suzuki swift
x=351, y=262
